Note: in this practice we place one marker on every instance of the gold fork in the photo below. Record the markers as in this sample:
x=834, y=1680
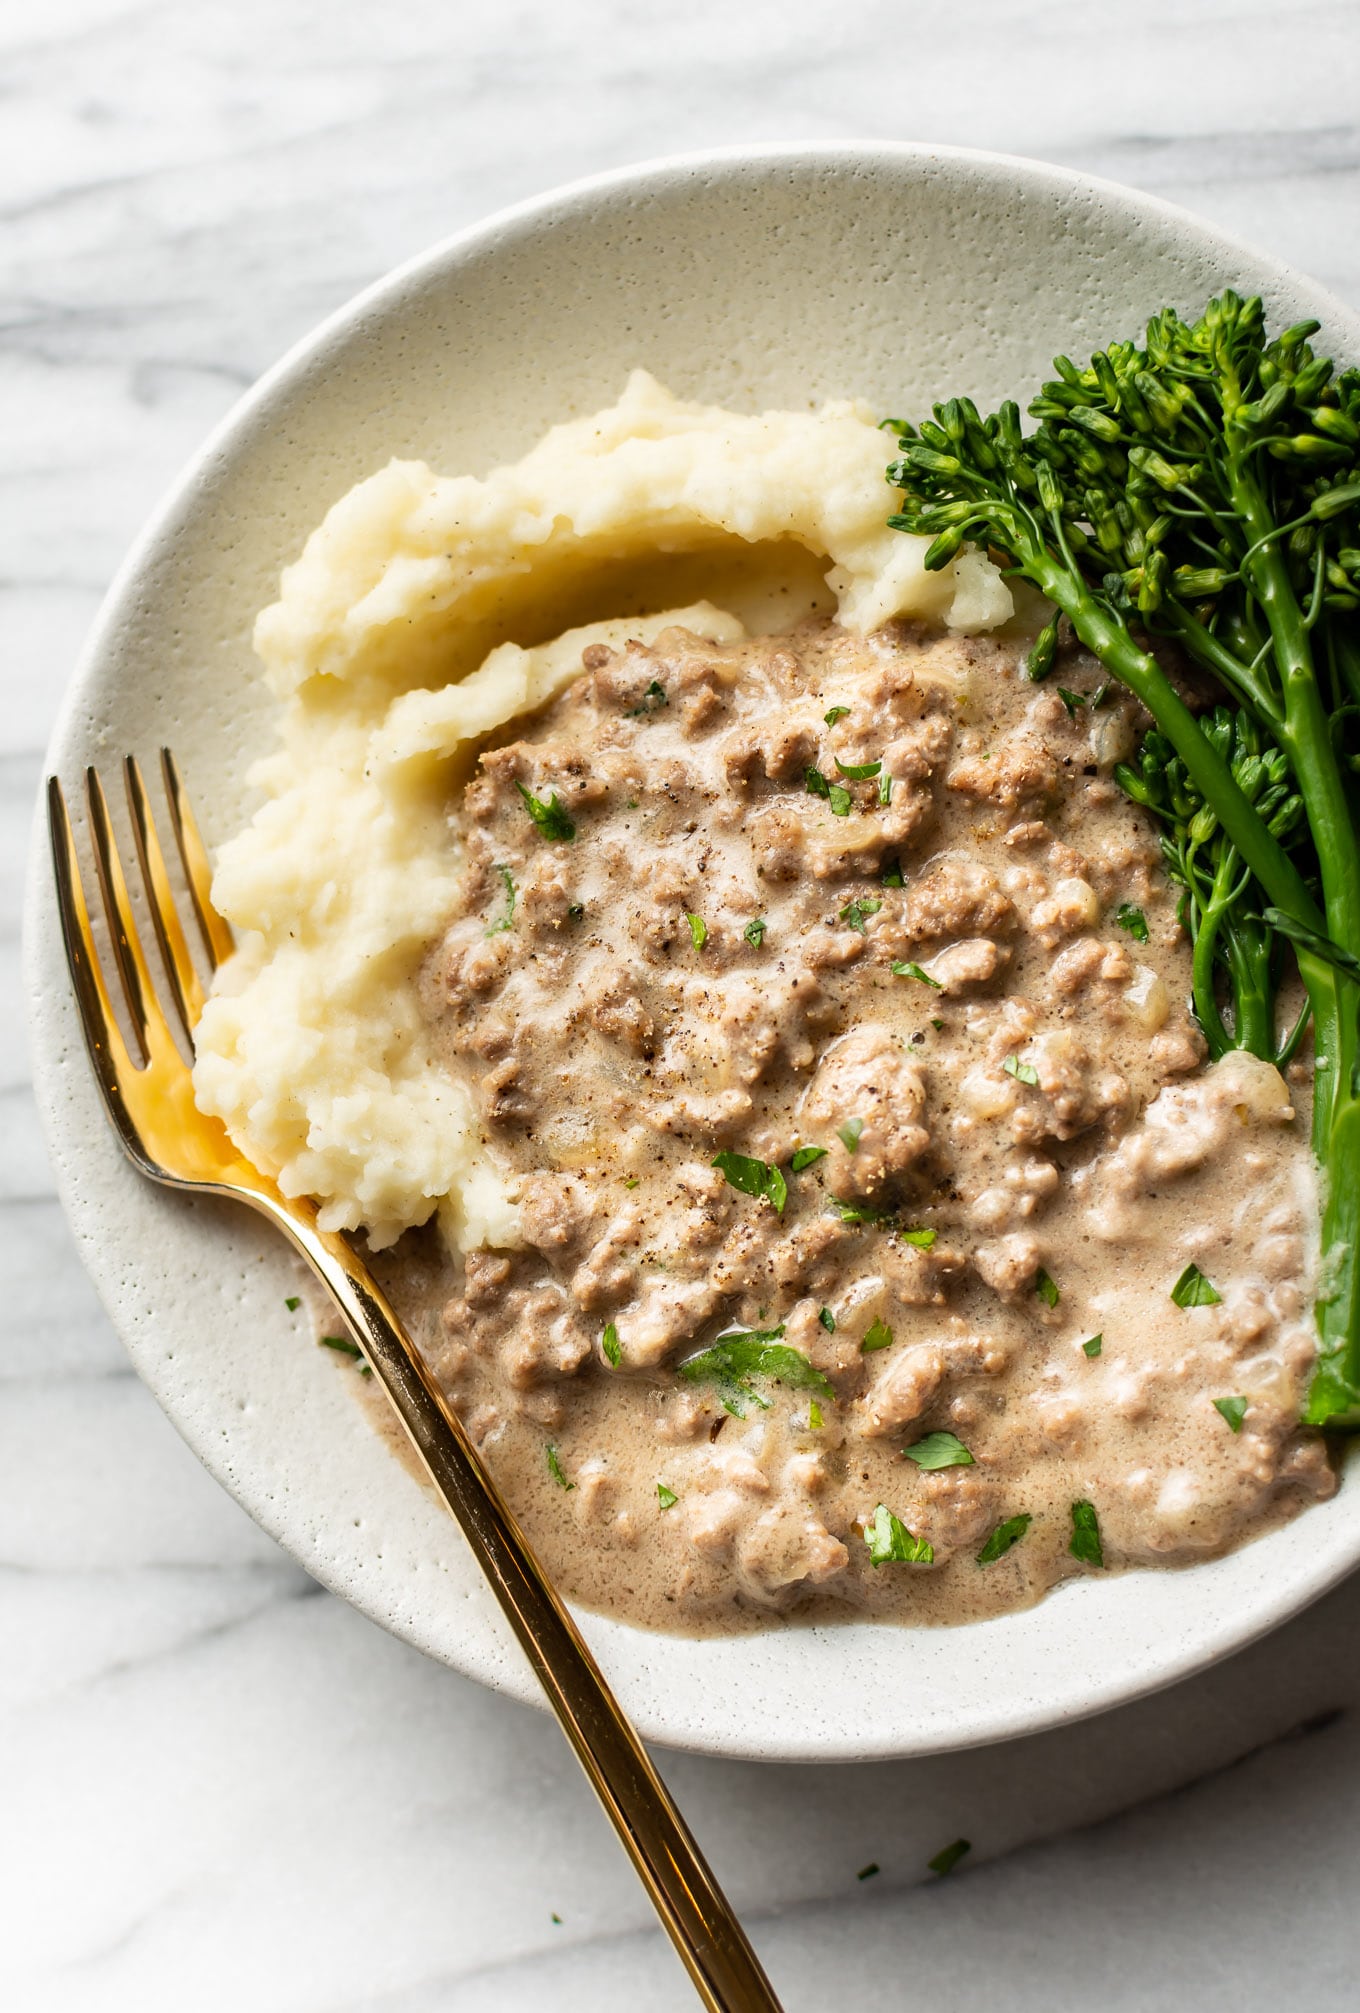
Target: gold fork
x=149, y=1098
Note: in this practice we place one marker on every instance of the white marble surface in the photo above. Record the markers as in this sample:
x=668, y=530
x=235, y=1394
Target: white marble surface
x=221, y=1788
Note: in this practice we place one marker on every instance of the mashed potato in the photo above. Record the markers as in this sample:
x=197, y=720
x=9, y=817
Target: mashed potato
x=410, y=628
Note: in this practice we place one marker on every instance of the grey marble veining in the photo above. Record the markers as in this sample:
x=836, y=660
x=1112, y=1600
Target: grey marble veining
x=221, y=1787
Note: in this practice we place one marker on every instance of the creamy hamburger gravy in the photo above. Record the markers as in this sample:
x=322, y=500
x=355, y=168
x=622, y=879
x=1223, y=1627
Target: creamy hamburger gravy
x=669, y=917
x=856, y=894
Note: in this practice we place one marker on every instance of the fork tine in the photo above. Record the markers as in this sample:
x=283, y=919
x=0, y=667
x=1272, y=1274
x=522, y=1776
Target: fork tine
x=138, y=990
x=144, y=1003
x=179, y=966
x=216, y=933
x=103, y=1037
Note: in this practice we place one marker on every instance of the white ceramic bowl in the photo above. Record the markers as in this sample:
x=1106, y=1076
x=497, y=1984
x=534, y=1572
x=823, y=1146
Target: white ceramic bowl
x=766, y=276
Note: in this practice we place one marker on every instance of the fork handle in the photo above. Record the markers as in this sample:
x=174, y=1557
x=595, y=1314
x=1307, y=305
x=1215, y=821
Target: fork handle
x=693, y=1908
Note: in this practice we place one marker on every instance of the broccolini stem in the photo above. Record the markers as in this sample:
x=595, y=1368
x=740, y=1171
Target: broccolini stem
x=1107, y=638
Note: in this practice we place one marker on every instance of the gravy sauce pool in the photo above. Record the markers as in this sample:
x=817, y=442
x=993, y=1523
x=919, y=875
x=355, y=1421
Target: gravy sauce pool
x=707, y=966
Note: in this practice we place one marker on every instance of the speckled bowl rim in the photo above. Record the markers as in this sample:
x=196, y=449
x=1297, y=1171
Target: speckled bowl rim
x=1178, y=1629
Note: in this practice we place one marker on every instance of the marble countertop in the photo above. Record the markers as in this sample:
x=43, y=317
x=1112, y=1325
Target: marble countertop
x=221, y=1787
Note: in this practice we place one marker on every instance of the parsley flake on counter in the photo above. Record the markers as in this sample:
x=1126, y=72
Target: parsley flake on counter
x=1133, y=920
x=949, y=1856
x=878, y=1336
x=292, y=1303
x=1086, y=1544
x=922, y=1239
x=840, y=800
x=857, y=912
x=1023, y=1072
x=1234, y=1410
x=550, y=817
x=891, y=877
x=835, y=713
x=939, y=1450
x=754, y=932
x=1071, y=700
x=1094, y=1346
x=555, y=1468
x=858, y=772
x=891, y=1543
x=698, y=931
x=868, y=1872
x=1192, y=1289
x=611, y=1346
x=848, y=1134
x=754, y=1177
x=1046, y=1288
x=885, y=783
x=744, y=1353
x=902, y=968
x=827, y=1319
x=804, y=1157
x=1003, y=1537
x=666, y=1497
x=814, y=1415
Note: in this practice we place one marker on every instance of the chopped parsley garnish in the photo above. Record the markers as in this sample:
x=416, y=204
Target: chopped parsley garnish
x=937, y=1025
x=1071, y=700
x=611, y=1346
x=834, y=714
x=1003, y=1537
x=939, y=1450
x=1023, y=1072
x=858, y=772
x=922, y=1239
x=817, y=785
x=902, y=968
x=891, y=877
x=653, y=699
x=848, y=1134
x=1094, y=1346
x=666, y=1497
x=855, y=1212
x=735, y=1358
x=827, y=1319
x=885, y=783
x=878, y=1336
x=1046, y=1288
x=949, y=1856
x=840, y=800
x=1133, y=920
x=576, y=911
x=814, y=1415
x=868, y=1872
x=292, y=1303
x=1234, y=1410
x=630, y=1181
x=804, y=1157
x=1086, y=1544
x=754, y=1177
x=1192, y=1289
x=754, y=932
x=891, y=1543
x=550, y=817
x=555, y=1468
x=342, y=1346
x=857, y=912
x=698, y=931
x=507, y=920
